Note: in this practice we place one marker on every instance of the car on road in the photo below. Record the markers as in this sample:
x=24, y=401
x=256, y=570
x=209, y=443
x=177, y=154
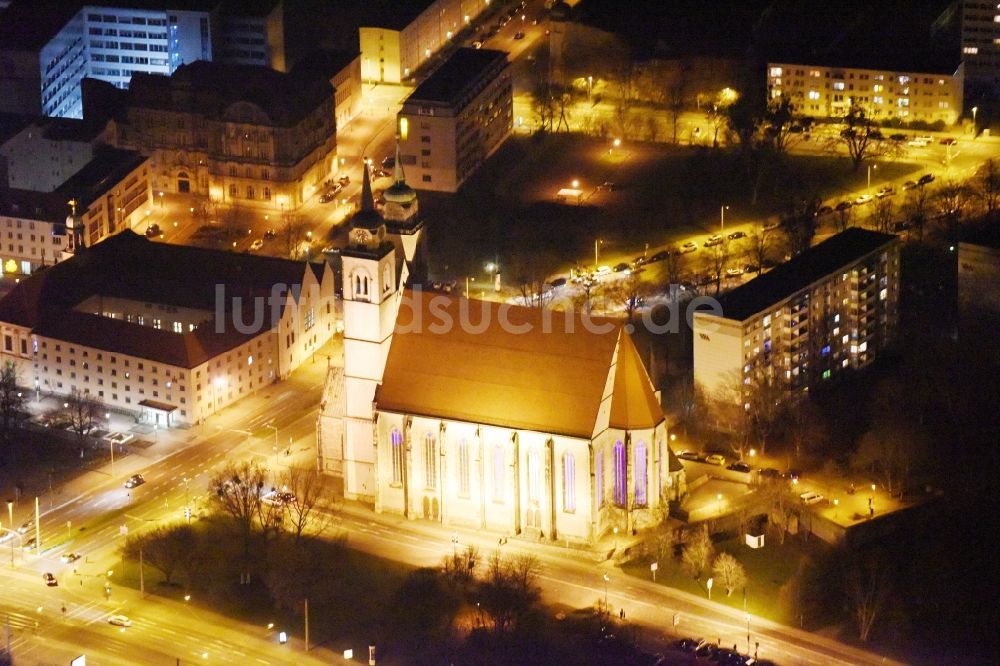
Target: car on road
x=948, y=142
x=886, y=191
x=897, y=137
x=558, y=282
x=659, y=256
x=518, y=35
x=256, y=245
x=713, y=240
x=25, y=526
x=69, y=558
x=909, y=185
x=863, y=199
x=30, y=543
x=344, y=180
x=926, y=178
x=793, y=474
x=278, y=498
x=622, y=267
x=119, y=620
x=690, y=455
x=751, y=268
x=823, y=210
x=688, y=644
x=270, y=234
x=608, y=185
x=843, y=205
x=50, y=580
x=134, y=481
x=734, y=272
x=327, y=197
x=770, y=473
x=917, y=142
x=602, y=270
x=737, y=234
x=478, y=44
x=738, y=466
x=639, y=261
x=811, y=497
x=153, y=230
x=716, y=459
x=689, y=247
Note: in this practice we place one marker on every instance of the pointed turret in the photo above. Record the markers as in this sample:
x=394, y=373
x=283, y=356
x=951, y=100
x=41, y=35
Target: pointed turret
x=399, y=194
x=397, y=172
x=366, y=217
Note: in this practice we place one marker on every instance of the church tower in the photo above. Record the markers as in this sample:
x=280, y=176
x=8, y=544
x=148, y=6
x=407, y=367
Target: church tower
x=404, y=226
x=371, y=299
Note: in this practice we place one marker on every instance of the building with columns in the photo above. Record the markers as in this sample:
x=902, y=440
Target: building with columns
x=487, y=415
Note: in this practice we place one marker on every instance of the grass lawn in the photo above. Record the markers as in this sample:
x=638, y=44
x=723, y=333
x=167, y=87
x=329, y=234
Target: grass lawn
x=508, y=210
x=768, y=569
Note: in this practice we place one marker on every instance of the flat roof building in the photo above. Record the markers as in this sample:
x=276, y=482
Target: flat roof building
x=456, y=118
x=167, y=333
x=833, y=307
x=824, y=91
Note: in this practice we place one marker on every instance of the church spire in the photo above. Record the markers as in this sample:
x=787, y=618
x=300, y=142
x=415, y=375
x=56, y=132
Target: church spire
x=398, y=175
x=367, y=199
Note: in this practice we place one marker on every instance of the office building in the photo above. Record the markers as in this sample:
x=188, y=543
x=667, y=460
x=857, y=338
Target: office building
x=827, y=92
x=980, y=30
x=241, y=134
x=833, y=308
x=52, y=46
x=398, y=37
x=456, y=118
x=167, y=333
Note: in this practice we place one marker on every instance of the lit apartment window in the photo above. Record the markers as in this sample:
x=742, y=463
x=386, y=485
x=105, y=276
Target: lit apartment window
x=878, y=99
x=878, y=87
x=942, y=105
x=814, y=73
x=813, y=94
x=775, y=71
x=838, y=85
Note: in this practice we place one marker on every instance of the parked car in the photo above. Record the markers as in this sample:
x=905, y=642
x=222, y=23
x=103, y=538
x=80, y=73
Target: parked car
x=659, y=256
x=909, y=185
x=811, y=497
x=558, y=282
x=477, y=44
x=688, y=644
x=602, y=270
x=639, y=261
x=737, y=234
x=734, y=272
x=770, y=473
x=886, y=191
x=823, y=210
x=344, y=179
x=29, y=544
x=713, y=240
x=153, y=231
x=916, y=142
x=269, y=234
x=119, y=621
x=50, y=580
x=843, y=205
x=900, y=226
x=256, y=245
x=25, y=526
x=608, y=185
x=69, y=558
x=622, y=267
x=948, y=142
x=716, y=459
x=134, y=481
x=926, y=178
x=690, y=246
x=327, y=197
x=897, y=137
x=739, y=466
x=863, y=199
x=690, y=455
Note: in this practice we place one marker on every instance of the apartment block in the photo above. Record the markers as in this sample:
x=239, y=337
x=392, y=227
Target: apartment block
x=980, y=30
x=397, y=38
x=832, y=309
x=32, y=230
x=456, y=119
x=167, y=333
x=55, y=45
x=828, y=92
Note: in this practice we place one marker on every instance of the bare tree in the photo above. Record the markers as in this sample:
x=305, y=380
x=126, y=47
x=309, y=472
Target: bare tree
x=779, y=118
x=952, y=198
x=311, y=492
x=729, y=573
x=916, y=209
x=169, y=549
x=11, y=403
x=295, y=233
x=509, y=590
x=675, y=98
x=84, y=412
x=987, y=187
x=860, y=137
x=759, y=244
x=882, y=215
x=236, y=490
x=805, y=427
x=459, y=567
x=764, y=394
x=673, y=265
x=843, y=215
x=697, y=553
x=779, y=512
x=890, y=451
x=799, y=224
x=629, y=292
x=867, y=584
x=718, y=258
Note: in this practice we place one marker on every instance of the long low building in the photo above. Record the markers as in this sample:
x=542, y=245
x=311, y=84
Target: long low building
x=167, y=333
x=824, y=91
x=832, y=308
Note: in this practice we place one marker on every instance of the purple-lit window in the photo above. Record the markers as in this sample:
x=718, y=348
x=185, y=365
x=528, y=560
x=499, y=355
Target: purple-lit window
x=463, y=468
x=569, y=483
x=430, y=462
x=640, y=474
x=397, y=457
x=621, y=491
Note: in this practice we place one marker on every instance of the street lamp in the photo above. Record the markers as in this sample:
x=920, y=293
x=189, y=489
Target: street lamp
x=975, y=131
x=575, y=183
x=590, y=91
x=718, y=497
x=597, y=245
x=111, y=442
x=708, y=584
x=870, y=167
x=748, y=632
x=161, y=200
x=606, y=579
x=722, y=217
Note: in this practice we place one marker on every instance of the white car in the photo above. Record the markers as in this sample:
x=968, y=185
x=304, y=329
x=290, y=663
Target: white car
x=862, y=200
x=256, y=245
x=69, y=558
x=120, y=621
x=811, y=497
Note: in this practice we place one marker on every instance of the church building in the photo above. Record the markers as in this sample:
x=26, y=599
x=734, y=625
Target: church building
x=487, y=415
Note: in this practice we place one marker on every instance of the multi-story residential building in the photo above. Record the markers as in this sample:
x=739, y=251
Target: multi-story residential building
x=56, y=44
x=168, y=333
x=979, y=279
x=397, y=38
x=456, y=118
x=241, y=134
x=832, y=308
x=343, y=68
x=32, y=230
x=824, y=91
x=43, y=155
x=980, y=30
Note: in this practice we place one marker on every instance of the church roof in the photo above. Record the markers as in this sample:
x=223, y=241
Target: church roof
x=544, y=371
x=634, y=404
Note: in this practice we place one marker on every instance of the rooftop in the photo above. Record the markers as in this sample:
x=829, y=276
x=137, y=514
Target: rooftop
x=210, y=88
x=986, y=236
x=130, y=266
x=550, y=377
x=450, y=81
x=108, y=167
x=792, y=276
x=31, y=205
x=390, y=14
